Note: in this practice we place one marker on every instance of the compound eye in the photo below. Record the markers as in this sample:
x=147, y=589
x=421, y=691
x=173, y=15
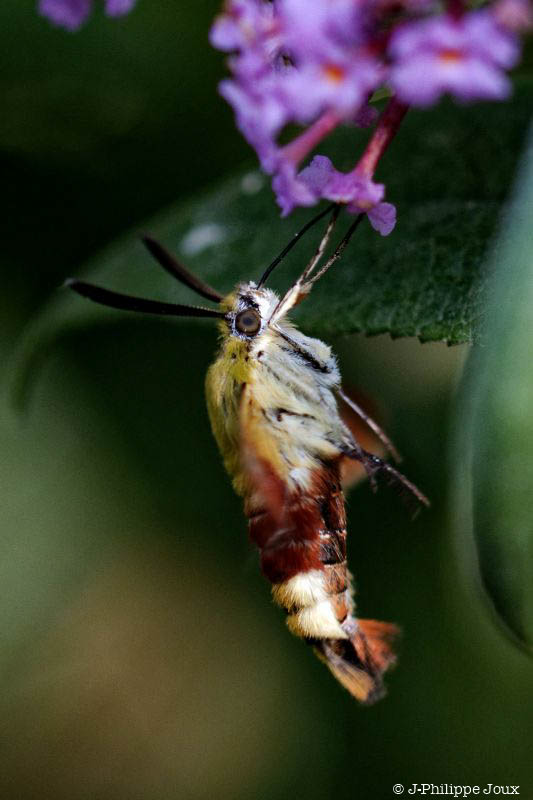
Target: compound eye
x=248, y=322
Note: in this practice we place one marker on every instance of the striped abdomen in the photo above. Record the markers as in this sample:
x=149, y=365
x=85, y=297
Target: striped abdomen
x=303, y=553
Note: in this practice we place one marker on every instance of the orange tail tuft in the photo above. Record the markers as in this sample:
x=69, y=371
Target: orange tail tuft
x=376, y=640
x=358, y=663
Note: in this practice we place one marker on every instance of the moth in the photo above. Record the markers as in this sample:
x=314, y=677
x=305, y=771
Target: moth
x=273, y=397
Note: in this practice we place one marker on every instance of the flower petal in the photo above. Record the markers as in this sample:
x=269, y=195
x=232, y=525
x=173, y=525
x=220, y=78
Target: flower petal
x=116, y=8
x=69, y=14
x=382, y=218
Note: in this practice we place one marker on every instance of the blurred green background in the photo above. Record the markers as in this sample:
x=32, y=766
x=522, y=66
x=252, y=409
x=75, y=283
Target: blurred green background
x=140, y=654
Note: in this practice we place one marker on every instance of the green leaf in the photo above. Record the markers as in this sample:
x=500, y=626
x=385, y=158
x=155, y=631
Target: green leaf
x=495, y=443
x=448, y=172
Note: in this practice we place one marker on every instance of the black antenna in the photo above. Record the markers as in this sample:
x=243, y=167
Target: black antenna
x=126, y=302
x=293, y=241
x=178, y=271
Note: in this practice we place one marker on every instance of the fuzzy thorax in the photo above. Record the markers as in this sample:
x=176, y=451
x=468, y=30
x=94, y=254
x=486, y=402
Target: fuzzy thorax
x=273, y=393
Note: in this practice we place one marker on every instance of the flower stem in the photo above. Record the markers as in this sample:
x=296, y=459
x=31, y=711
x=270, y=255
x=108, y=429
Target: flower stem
x=386, y=130
x=456, y=9
x=299, y=148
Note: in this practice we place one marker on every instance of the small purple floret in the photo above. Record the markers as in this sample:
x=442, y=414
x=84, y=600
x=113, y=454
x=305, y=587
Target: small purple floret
x=360, y=194
x=71, y=14
x=465, y=57
x=116, y=8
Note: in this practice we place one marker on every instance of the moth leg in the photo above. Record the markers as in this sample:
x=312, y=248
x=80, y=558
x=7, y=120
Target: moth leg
x=356, y=453
x=376, y=467
x=372, y=424
x=339, y=250
x=321, y=247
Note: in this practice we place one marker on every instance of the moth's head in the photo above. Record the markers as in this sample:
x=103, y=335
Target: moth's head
x=247, y=311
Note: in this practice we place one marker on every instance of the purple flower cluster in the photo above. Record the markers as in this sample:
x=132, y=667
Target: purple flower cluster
x=71, y=14
x=317, y=63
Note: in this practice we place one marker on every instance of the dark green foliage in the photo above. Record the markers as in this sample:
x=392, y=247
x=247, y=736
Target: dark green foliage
x=496, y=440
